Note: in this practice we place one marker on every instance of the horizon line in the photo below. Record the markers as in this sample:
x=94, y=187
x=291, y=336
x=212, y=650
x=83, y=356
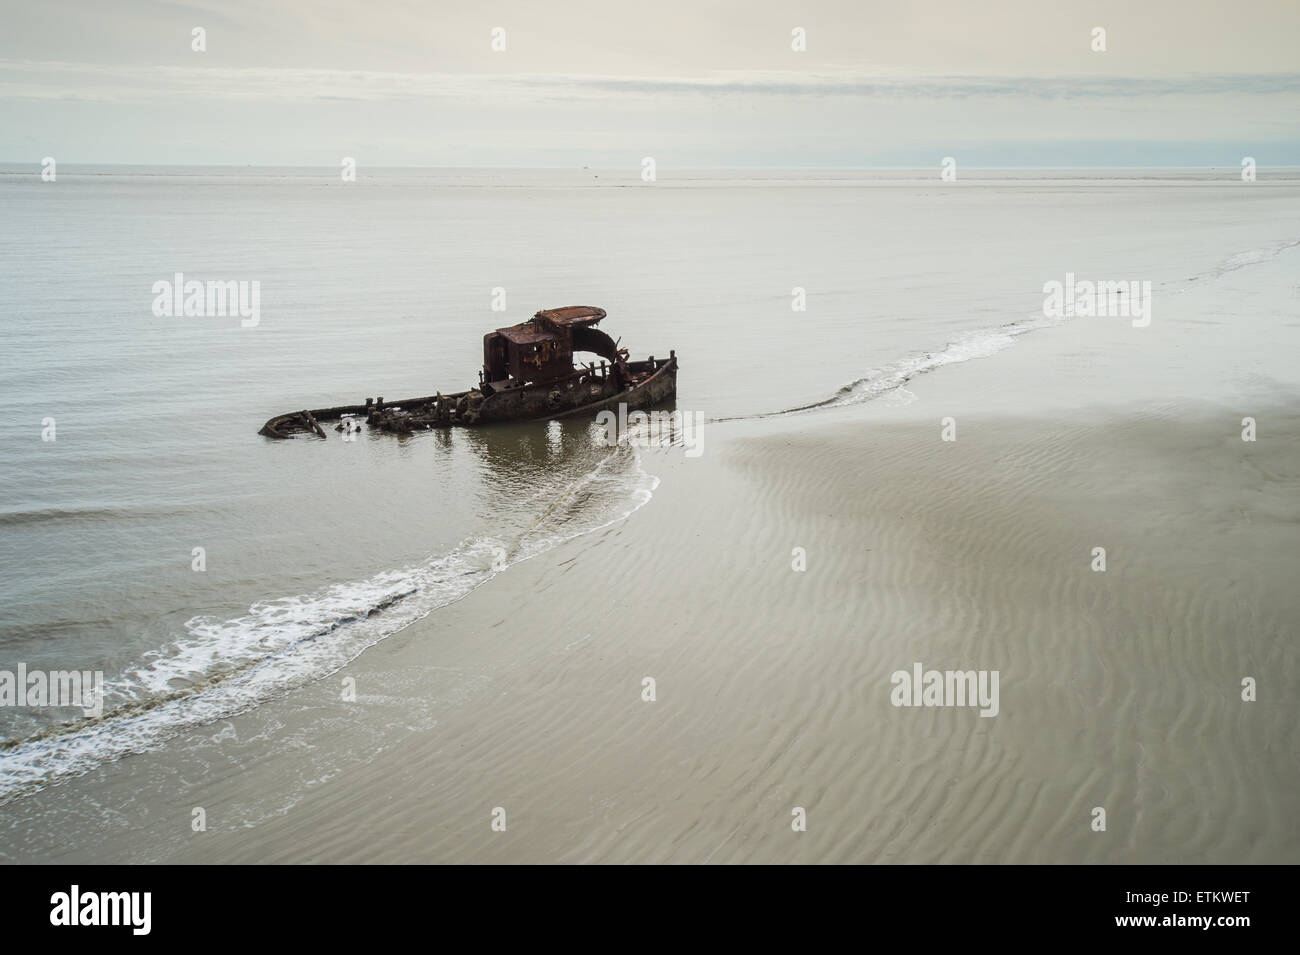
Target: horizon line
x=631, y=168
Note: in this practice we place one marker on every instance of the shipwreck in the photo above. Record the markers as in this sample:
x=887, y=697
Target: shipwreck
x=529, y=372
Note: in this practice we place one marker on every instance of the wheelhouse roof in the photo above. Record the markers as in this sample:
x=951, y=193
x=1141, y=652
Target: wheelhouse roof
x=552, y=324
x=571, y=315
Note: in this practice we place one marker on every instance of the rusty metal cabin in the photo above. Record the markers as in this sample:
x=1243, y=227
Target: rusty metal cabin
x=541, y=349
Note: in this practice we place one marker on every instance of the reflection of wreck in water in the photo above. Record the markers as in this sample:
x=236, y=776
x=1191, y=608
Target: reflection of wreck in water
x=528, y=373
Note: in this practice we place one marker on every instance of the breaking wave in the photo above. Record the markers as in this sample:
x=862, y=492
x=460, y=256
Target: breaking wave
x=983, y=344
x=222, y=667
x=893, y=376
x=1250, y=257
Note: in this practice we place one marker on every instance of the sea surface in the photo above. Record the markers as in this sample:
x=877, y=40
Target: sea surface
x=314, y=551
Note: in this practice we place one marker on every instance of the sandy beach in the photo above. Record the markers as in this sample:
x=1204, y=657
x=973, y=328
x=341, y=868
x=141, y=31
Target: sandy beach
x=1119, y=689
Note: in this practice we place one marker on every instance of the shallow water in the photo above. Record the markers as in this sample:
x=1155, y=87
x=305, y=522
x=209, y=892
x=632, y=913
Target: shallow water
x=316, y=550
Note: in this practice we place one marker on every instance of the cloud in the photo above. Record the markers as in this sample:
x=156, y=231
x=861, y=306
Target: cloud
x=46, y=80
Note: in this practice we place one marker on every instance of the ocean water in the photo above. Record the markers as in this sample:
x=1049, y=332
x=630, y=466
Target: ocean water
x=316, y=550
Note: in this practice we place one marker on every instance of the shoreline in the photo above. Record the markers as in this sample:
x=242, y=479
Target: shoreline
x=1119, y=689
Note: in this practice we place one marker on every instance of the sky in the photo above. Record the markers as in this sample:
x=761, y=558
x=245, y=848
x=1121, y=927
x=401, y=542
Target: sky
x=705, y=83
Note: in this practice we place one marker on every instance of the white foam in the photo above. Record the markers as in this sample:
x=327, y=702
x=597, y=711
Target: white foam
x=888, y=379
x=222, y=667
x=880, y=381
x=1255, y=256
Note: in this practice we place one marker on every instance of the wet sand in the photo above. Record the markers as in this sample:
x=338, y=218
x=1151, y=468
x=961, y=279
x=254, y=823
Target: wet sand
x=1118, y=689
